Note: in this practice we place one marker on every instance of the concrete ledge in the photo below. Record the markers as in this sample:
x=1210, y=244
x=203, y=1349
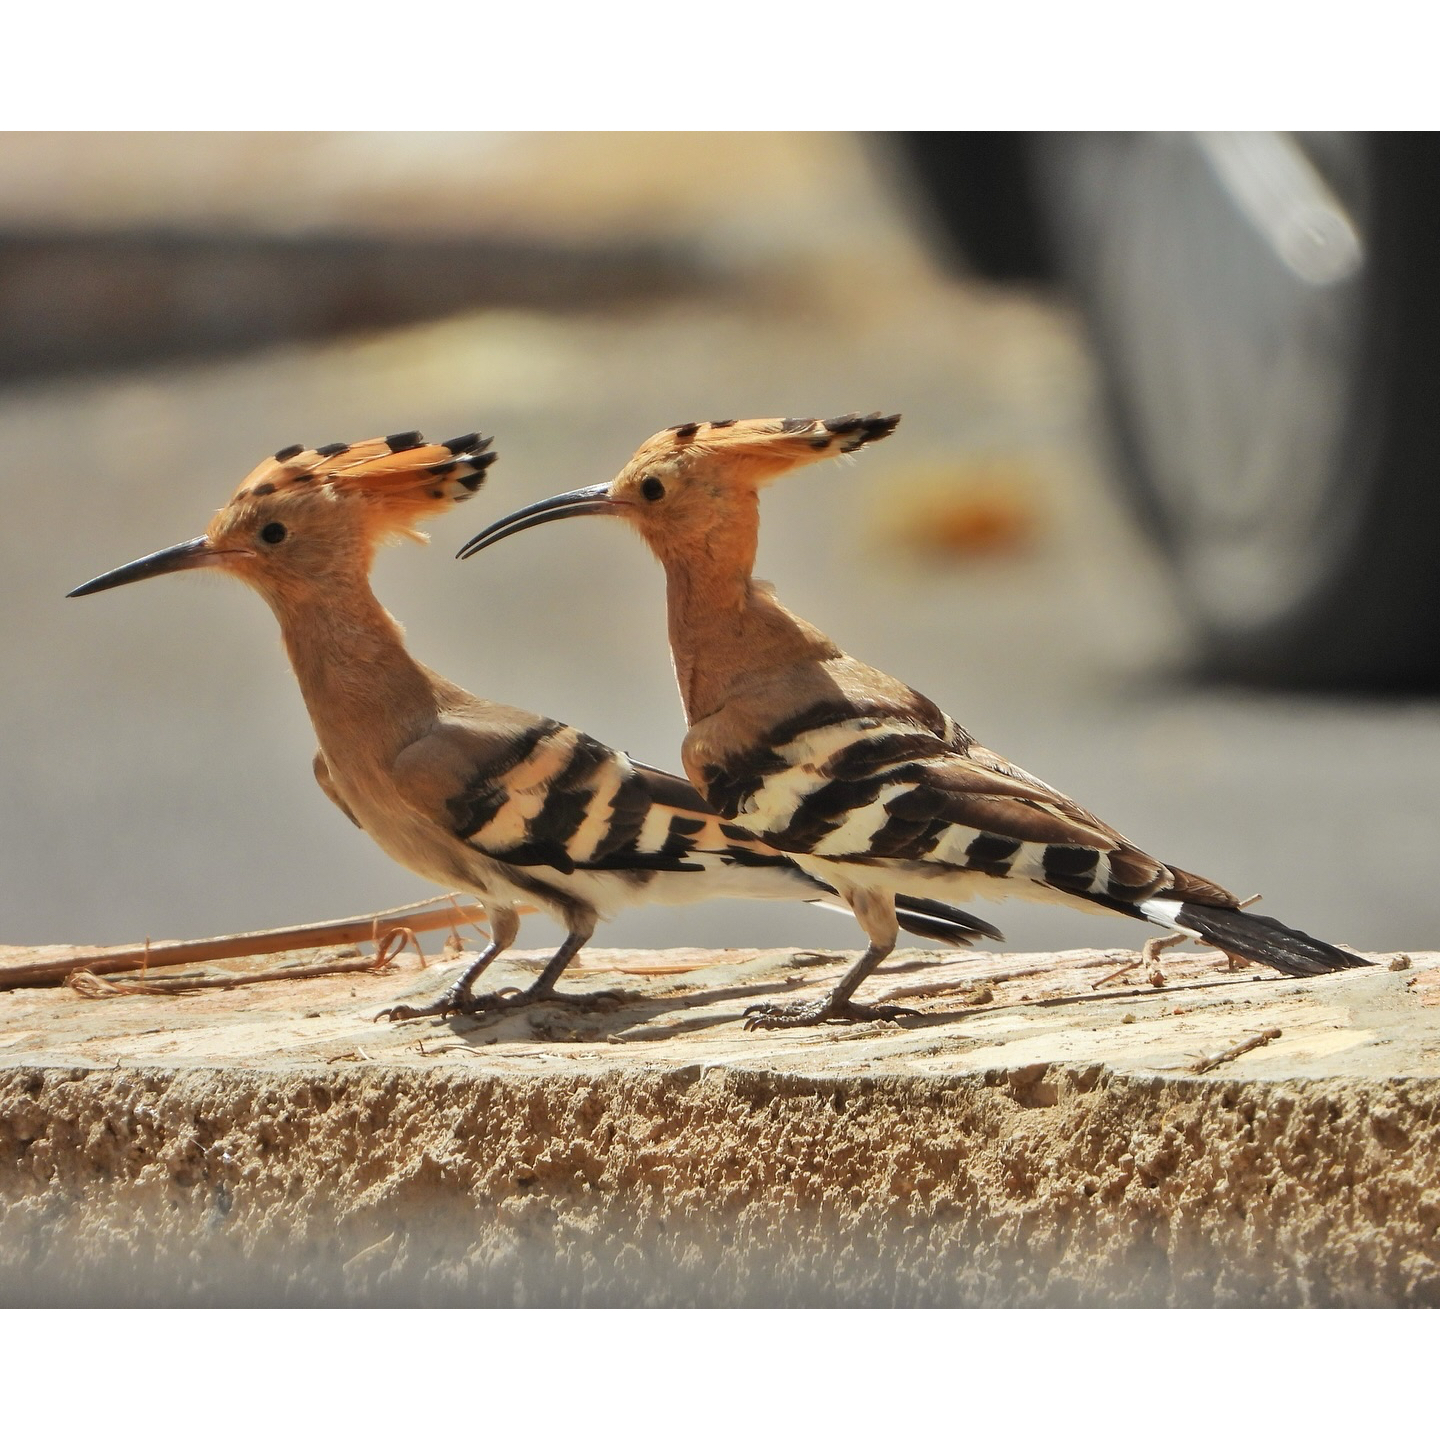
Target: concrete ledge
x=271, y=1145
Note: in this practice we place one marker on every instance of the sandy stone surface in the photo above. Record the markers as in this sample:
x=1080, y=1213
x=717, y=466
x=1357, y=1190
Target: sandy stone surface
x=1026, y=1138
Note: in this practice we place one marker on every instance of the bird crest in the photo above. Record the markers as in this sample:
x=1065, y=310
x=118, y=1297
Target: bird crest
x=401, y=478
x=761, y=450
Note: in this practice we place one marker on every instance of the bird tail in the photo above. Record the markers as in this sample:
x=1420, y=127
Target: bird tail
x=930, y=919
x=936, y=921
x=1253, y=937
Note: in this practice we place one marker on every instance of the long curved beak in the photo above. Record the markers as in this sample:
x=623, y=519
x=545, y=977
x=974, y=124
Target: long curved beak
x=191, y=555
x=593, y=500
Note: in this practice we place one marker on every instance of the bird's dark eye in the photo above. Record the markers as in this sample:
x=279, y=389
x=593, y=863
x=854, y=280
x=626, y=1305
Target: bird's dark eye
x=273, y=533
x=651, y=488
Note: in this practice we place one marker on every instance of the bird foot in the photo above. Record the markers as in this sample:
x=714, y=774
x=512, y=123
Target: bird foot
x=452, y=1002
x=770, y=1015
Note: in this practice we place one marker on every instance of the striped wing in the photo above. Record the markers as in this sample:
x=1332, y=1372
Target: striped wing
x=869, y=787
x=546, y=794
x=531, y=792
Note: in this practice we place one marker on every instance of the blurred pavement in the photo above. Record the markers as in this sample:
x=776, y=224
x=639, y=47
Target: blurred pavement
x=155, y=771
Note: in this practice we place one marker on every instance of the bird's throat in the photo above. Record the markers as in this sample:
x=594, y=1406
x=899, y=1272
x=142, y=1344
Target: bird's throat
x=367, y=696
x=727, y=630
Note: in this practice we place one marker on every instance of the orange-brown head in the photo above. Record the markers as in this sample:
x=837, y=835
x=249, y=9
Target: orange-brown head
x=304, y=517
x=693, y=487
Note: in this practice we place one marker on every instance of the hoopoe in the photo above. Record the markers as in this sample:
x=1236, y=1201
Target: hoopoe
x=865, y=781
x=477, y=796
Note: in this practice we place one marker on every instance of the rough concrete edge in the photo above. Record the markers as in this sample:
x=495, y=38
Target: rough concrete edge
x=1039, y=1184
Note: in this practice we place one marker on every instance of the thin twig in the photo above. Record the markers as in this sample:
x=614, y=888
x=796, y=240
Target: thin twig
x=443, y=1049
x=970, y=981
x=94, y=987
x=50, y=964
x=1116, y=974
x=1235, y=1051
x=459, y=914
x=396, y=939
x=583, y=966
x=683, y=968
x=1088, y=996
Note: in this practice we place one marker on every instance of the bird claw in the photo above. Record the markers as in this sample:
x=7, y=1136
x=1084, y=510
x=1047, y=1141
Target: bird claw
x=448, y=1004
x=768, y=1015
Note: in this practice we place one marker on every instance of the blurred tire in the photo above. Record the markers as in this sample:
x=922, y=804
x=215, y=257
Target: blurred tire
x=979, y=190
x=1264, y=309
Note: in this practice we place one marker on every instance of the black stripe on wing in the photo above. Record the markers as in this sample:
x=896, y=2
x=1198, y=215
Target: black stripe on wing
x=485, y=793
x=673, y=790
x=593, y=790
x=859, y=787
x=571, y=798
x=693, y=828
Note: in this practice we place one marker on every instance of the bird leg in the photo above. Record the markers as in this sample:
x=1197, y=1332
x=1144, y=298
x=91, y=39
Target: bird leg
x=876, y=912
x=457, y=998
x=504, y=927
x=544, y=986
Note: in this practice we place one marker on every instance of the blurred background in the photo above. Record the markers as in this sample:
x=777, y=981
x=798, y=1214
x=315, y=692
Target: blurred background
x=1159, y=524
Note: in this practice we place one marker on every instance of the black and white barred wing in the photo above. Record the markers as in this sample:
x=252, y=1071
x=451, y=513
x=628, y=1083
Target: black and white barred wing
x=1068, y=850
x=870, y=789
x=875, y=791
x=545, y=795
x=708, y=834
x=532, y=792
